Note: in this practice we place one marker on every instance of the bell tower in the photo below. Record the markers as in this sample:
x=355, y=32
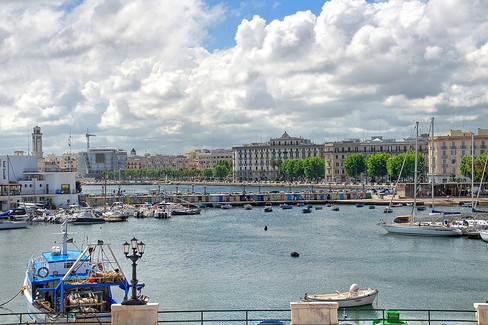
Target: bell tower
x=37, y=142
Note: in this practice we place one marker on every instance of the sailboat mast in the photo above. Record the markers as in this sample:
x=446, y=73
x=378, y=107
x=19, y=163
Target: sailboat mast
x=472, y=170
x=432, y=162
x=416, y=166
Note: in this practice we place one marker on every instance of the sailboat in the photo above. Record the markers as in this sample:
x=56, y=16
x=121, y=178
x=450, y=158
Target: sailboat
x=408, y=225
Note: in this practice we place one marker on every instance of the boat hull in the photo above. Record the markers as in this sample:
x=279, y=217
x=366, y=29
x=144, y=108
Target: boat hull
x=416, y=230
x=12, y=225
x=484, y=235
x=344, y=299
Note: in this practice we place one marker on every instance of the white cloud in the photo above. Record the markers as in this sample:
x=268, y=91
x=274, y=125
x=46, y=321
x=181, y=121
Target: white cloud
x=136, y=73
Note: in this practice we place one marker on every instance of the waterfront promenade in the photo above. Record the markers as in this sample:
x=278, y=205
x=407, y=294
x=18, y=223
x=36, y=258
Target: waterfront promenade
x=255, y=194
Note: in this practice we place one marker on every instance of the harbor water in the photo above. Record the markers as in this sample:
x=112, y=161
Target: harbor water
x=225, y=259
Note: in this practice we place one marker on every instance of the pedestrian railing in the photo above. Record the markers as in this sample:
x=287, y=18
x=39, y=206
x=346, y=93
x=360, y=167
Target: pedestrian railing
x=346, y=316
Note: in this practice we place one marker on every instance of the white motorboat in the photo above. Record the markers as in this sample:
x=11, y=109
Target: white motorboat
x=352, y=298
x=10, y=224
x=85, y=216
x=19, y=214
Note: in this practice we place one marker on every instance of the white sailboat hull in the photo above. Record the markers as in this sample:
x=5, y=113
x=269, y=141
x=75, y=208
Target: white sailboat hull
x=421, y=230
x=484, y=235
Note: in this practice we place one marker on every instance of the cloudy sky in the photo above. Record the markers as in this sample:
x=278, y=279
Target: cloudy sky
x=165, y=76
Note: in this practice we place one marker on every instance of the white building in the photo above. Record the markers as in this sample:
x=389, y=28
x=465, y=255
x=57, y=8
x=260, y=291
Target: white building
x=21, y=181
x=260, y=161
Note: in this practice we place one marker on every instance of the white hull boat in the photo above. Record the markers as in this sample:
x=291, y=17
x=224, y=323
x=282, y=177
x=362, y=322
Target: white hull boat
x=353, y=298
x=7, y=224
x=419, y=229
x=484, y=235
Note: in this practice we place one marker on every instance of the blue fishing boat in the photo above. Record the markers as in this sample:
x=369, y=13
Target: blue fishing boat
x=72, y=285
x=285, y=206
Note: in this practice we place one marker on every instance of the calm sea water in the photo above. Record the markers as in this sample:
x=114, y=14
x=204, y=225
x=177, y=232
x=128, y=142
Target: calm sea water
x=224, y=259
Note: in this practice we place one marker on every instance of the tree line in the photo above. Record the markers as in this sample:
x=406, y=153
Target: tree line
x=381, y=165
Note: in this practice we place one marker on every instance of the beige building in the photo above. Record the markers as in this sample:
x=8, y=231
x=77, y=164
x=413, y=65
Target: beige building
x=446, y=152
x=336, y=152
x=258, y=161
x=209, y=158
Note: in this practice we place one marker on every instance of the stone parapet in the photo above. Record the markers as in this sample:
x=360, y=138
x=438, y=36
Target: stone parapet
x=314, y=313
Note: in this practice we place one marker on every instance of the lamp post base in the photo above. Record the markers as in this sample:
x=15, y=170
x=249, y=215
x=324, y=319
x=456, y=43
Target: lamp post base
x=133, y=302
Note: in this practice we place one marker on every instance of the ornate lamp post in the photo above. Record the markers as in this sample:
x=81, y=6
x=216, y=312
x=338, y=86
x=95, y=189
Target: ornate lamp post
x=137, y=251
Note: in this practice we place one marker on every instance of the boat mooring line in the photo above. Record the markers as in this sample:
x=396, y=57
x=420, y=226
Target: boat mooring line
x=20, y=291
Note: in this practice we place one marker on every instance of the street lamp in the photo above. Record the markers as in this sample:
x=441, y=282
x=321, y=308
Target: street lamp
x=137, y=251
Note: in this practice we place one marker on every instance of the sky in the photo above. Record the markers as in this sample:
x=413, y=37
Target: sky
x=166, y=77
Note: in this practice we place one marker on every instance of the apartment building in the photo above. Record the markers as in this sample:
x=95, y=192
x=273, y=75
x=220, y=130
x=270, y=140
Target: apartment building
x=260, y=161
x=336, y=152
x=209, y=158
x=446, y=152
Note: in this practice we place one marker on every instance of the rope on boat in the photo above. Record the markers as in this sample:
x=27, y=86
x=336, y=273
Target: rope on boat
x=21, y=291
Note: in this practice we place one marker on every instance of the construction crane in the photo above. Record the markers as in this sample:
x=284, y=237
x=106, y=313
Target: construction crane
x=88, y=135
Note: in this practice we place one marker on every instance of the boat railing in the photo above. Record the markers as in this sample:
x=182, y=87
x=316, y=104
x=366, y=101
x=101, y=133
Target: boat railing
x=346, y=316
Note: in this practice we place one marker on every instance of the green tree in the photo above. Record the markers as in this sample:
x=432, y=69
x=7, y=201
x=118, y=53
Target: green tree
x=376, y=165
x=407, y=160
x=222, y=169
x=313, y=168
x=354, y=165
x=292, y=169
x=207, y=173
x=479, y=166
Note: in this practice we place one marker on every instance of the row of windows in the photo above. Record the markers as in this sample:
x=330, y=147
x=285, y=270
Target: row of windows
x=374, y=149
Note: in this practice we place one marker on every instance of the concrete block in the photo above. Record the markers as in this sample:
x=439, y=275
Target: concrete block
x=314, y=313
x=481, y=313
x=130, y=315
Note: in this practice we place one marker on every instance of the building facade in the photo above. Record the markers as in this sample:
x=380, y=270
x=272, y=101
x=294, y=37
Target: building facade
x=336, y=152
x=260, y=161
x=209, y=158
x=106, y=159
x=22, y=182
x=446, y=152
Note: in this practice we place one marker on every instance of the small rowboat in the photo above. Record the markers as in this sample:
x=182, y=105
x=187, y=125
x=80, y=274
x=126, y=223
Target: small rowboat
x=352, y=298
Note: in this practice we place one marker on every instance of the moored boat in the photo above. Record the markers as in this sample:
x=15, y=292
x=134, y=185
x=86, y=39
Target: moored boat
x=352, y=298
x=268, y=207
x=10, y=224
x=247, y=206
x=72, y=285
x=84, y=216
